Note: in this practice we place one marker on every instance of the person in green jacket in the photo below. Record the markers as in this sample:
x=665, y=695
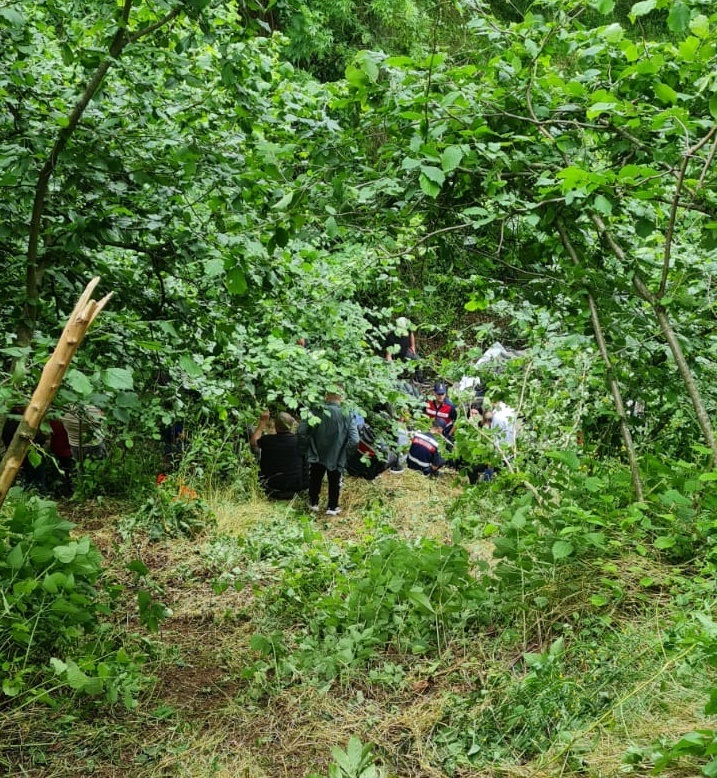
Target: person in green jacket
x=327, y=445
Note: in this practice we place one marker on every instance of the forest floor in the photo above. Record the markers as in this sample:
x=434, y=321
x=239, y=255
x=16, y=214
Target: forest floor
x=203, y=716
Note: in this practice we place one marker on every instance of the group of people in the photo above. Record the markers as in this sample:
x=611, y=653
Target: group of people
x=299, y=455
x=74, y=436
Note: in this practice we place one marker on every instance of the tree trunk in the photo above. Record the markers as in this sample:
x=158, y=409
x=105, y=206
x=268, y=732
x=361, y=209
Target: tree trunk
x=612, y=380
x=703, y=418
x=83, y=315
x=35, y=266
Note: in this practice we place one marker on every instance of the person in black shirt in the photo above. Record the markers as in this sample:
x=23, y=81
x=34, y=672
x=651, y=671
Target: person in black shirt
x=400, y=342
x=283, y=471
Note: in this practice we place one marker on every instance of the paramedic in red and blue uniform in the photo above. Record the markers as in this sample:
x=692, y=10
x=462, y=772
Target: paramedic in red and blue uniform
x=424, y=454
x=441, y=408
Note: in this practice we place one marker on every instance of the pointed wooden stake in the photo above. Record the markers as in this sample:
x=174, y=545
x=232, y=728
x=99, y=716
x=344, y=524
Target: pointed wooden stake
x=82, y=316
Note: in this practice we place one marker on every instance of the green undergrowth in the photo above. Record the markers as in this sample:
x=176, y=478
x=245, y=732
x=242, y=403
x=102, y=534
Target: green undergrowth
x=556, y=625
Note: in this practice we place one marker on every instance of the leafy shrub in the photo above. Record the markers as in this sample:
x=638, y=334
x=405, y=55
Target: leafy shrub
x=173, y=510
x=357, y=761
x=409, y=596
x=52, y=609
x=124, y=473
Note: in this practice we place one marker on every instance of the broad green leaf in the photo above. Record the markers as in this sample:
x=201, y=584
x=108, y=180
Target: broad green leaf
x=598, y=600
x=642, y=8
x=15, y=558
x=410, y=163
x=569, y=458
x=562, y=549
x=418, y=597
x=75, y=677
x=713, y=106
x=664, y=542
x=13, y=16
x=710, y=769
x=66, y=554
x=118, y=378
x=700, y=26
x=54, y=581
x=711, y=706
x=78, y=382
x=434, y=174
x=428, y=186
x=678, y=17
x=477, y=304
x=665, y=93
x=399, y=62
x=603, y=7
x=261, y=644
x=688, y=48
x=236, y=281
x=356, y=77
x=602, y=205
x=451, y=158
x=12, y=687
x=284, y=203
x=190, y=367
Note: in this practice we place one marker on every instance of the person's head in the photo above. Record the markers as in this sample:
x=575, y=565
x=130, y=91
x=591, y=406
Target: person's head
x=439, y=389
x=284, y=422
x=438, y=426
x=487, y=418
x=335, y=393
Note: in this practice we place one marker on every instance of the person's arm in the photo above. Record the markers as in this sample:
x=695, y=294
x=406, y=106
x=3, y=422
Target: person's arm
x=259, y=431
x=353, y=436
x=411, y=343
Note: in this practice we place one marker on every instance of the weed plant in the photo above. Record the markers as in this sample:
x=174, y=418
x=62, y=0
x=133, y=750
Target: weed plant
x=172, y=510
x=56, y=639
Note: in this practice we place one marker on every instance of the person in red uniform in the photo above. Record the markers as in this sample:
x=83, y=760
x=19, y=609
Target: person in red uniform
x=441, y=408
x=424, y=454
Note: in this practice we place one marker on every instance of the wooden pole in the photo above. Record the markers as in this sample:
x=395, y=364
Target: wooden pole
x=84, y=314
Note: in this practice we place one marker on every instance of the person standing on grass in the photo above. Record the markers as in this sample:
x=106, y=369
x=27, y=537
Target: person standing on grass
x=327, y=445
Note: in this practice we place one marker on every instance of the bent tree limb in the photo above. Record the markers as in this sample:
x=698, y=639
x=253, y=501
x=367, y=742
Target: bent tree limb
x=612, y=380
x=77, y=325
x=673, y=343
x=34, y=266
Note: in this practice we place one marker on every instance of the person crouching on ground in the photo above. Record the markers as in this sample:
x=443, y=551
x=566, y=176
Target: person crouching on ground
x=424, y=454
x=327, y=444
x=283, y=469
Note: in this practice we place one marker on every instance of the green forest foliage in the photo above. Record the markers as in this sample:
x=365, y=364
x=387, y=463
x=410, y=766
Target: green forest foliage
x=246, y=177
x=235, y=204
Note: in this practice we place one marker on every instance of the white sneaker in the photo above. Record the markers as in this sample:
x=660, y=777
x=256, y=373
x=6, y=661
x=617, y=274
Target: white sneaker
x=314, y=508
x=333, y=511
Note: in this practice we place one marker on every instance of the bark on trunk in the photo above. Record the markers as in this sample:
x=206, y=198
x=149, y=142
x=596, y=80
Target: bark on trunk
x=612, y=380
x=83, y=315
x=673, y=343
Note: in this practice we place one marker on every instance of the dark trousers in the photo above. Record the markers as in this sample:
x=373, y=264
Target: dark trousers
x=316, y=477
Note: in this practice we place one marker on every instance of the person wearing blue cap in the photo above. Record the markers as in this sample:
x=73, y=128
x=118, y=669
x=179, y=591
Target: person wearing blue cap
x=441, y=408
